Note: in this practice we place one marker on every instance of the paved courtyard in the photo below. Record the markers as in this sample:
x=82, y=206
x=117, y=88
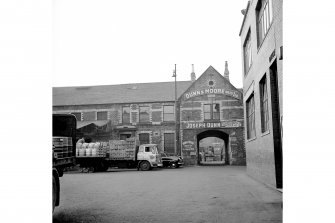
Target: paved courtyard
x=188, y=194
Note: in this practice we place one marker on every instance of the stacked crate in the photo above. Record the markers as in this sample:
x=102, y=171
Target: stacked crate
x=122, y=149
x=102, y=149
x=62, y=147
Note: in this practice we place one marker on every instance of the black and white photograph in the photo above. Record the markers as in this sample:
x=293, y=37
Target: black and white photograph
x=163, y=111
x=167, y=111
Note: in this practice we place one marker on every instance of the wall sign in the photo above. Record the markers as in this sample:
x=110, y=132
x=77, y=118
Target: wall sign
x=200, y=125
x=195, y=93
x=188, y=145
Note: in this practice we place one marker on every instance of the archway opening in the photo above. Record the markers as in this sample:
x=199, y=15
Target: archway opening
x=213, y=147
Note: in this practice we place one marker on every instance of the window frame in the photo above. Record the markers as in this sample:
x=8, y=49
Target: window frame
x=264, y=19
x=264, y=104
x=139, y=114
x=166, y=113
x=147, y=136
x=250, y=117
x=247, y=53
x=123, y=115
x=211, y=111
x=102, y=112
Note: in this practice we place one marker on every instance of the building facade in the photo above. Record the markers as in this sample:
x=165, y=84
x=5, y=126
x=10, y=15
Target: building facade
x=262, y=49
x=208, y=108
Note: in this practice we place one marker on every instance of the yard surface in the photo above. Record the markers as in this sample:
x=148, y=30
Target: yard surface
x=187, y=194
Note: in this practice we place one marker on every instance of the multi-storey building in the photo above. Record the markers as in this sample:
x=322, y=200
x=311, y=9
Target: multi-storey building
x=262, y=49
x=208, y=108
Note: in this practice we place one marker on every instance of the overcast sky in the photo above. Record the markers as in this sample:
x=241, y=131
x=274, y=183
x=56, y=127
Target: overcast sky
x=99, y=42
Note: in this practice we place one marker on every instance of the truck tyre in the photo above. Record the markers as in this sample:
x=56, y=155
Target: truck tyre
x=145, y=165
x=54, y=192
x=105, y=167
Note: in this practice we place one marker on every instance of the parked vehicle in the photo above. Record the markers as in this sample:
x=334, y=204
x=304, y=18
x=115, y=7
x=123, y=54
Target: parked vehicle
x=171, y=161
x=99, y=156
x=63, y=150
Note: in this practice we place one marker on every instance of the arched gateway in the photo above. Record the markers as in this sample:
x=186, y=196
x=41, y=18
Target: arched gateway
x=213, y=147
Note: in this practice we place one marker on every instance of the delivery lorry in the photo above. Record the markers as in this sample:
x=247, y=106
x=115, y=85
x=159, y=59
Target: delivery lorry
x=99, y=156
x=63, y=150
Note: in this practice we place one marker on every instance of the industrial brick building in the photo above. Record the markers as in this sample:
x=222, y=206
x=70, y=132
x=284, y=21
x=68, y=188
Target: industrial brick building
x=262, y=49
x=209, y=128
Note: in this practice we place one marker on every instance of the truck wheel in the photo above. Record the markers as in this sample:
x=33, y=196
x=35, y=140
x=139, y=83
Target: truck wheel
x=105, y=167
x=145, y=165
x=54, y=193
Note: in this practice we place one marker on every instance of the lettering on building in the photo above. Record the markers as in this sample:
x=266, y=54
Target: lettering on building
x=223, y=124
x=195, y=93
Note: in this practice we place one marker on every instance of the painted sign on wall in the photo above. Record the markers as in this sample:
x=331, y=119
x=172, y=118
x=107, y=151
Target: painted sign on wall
x=200, y=125
x=188, y=145
x=195, y=93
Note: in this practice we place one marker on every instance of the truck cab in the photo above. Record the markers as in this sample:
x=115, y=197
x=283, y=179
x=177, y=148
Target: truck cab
x=63, y=150
x=148, y=157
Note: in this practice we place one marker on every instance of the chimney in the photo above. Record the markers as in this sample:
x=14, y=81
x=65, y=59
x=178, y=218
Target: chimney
x=193, y=78
x=226, y=71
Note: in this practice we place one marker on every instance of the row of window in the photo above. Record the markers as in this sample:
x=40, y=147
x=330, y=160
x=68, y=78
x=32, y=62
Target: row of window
x=211, y=112
x=264, y=17
x=250, y=110
x=168, y=114
x=102, y=115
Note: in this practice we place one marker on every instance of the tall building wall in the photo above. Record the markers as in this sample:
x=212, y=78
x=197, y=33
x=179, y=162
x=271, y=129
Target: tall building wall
x=263, y=150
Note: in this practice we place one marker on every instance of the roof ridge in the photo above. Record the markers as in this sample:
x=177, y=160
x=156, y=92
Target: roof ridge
x=87, y=86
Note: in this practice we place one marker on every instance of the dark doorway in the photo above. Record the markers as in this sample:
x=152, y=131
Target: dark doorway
x=217, y=152
x=277, y=138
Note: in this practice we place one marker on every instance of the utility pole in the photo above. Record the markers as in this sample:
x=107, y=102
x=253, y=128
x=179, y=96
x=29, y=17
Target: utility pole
x=175, y=107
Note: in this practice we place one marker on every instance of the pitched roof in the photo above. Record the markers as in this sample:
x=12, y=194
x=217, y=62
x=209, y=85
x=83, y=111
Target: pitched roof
x=124, y=93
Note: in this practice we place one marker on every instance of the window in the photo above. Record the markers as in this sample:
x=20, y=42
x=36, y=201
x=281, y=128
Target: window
x=207, y=111
x=102, y=115
x=212, y=111
x=126, y=114
x=144, y=138
x=168, y=113
x=144, y=114
x=250, y=117
x=264, y=18
x=264, y=104
x=124, y=136
x=78, y=115
x=247, y=53
x=169, y=143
